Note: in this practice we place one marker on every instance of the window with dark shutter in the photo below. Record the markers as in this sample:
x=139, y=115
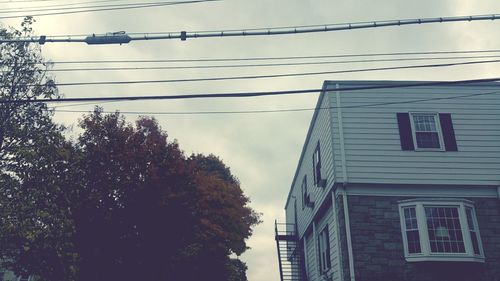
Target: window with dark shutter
x=405, y=133
x=450, y=143
x=426, y=131
x=317, y=165
x=305, y=194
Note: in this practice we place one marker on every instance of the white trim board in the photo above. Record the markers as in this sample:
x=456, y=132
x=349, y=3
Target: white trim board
x=422, y=191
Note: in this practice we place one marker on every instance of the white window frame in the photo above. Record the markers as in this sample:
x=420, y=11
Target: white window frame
x=322, y=250
x=437, y=122
x=425, y=251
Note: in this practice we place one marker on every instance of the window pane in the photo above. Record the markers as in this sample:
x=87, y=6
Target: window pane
x=427, y=139
x=445, y=232
x=472, y=228
x=413, y=241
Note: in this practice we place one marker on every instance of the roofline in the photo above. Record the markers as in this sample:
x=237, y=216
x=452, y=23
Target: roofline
x=306, y=142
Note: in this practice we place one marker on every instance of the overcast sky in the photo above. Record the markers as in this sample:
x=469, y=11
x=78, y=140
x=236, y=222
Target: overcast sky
x=261, y=149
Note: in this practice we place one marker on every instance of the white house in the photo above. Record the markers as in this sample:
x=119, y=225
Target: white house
x=397, y=180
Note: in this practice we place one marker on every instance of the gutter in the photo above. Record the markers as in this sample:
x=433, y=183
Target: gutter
x=345, y=180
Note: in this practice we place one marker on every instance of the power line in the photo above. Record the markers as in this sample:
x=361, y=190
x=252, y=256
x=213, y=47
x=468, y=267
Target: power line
x=183, y=35
x=247, y=94
x=62, y=7
x=138, y=6
x=264, y=65
x=271, y=58
x=284, y=110
x=13, y=10
x=267, y=76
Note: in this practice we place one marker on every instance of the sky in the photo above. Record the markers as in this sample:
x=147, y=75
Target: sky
x=262, y=149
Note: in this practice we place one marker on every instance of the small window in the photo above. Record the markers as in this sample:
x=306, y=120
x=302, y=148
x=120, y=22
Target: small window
x=440, y=230
x=318, y=179
x=317, y=164
x=324, y=250
x=305, y=194
x=426, y=131
x=427, y=134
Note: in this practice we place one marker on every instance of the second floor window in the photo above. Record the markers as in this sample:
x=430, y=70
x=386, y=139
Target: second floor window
x=305, y=194
x=427, y=132
x=317, y=165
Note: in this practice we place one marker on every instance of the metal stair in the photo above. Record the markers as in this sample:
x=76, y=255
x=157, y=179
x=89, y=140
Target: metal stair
x=289, y=252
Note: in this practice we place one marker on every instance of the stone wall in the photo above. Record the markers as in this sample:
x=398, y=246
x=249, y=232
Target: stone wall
x=378, y=246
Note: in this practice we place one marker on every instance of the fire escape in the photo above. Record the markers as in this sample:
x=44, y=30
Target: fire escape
x=290, y=254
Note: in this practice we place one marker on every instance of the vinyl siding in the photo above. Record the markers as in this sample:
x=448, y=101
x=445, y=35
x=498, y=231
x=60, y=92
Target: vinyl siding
x=372, y=144
x=328, y=219
x=320, y=131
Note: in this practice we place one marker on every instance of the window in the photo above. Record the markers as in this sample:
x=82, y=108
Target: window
x=440, y=230
x=318, y=180
x=306, y=199
x=426, y=131
x=324, y=250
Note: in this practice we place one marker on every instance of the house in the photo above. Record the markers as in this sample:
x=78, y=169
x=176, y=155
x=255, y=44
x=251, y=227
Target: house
x=397, y=180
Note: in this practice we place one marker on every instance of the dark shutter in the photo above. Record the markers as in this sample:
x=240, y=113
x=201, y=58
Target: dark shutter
x=450, y=143
x=405, y=134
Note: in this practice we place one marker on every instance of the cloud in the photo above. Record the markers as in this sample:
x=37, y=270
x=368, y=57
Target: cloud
x=261, y=149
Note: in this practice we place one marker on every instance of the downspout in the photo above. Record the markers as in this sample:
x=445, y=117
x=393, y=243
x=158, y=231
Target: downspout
x=345, y=180
x=335, y=209
x=337, y=227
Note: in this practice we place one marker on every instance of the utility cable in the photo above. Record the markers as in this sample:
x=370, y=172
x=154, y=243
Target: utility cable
x=248, y=94
x=183, y=35
x=63, y=7
x=225, y=78
x=282, y=110
x=270, y=58
x=159, y=4
x=264, y=65
x=55, y=6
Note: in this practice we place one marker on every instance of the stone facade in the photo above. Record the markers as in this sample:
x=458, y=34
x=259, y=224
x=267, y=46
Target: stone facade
x=378, y=244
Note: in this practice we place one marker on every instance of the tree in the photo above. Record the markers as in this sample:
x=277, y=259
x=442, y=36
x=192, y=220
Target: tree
x=34, y=159
x=23, y=76
x=122, y=202
x=160, y=215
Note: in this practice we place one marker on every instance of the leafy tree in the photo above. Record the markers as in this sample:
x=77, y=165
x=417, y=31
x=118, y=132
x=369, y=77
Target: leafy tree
x=122, y=202
x=23, y=76
x=34, y=172
x=160, y=215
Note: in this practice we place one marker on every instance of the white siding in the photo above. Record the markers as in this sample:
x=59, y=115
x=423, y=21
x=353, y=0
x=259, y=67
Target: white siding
x=372, y=143
x=328, y=219
x=320, y=131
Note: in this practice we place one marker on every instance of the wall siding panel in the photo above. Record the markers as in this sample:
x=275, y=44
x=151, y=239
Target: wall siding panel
x=372, y=143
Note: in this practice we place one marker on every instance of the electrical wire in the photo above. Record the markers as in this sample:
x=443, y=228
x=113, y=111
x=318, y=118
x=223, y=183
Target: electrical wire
x=264, y=65
x=159, y=4
x=285, y=110
x=248, y=94
x=183, y=35
x=57, y=5
x=64, y=7
x=272, y=58
x=267, y=76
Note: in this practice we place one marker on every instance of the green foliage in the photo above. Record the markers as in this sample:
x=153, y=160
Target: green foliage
x=34, y=158
x=122, y=202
